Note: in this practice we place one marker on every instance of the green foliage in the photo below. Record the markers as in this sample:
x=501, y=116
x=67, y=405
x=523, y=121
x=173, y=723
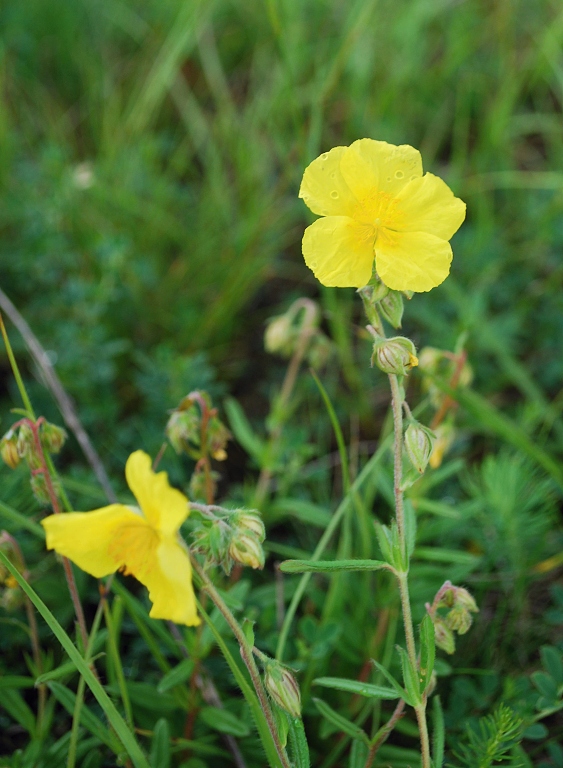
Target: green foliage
x=492, y=741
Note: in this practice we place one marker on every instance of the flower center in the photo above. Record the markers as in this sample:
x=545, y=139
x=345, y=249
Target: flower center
x=134, y=548
x=377, y=210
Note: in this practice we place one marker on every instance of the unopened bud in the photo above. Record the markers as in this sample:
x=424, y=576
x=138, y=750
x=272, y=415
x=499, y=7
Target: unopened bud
x=320, y=350
x=26, y=442
x=183, y=425
x=9, y=449
x=443, y=635
x=251, y=521
x=391, y=307
x=419, y=441
x=459, y=619
x=465, y=599
x=40, y=489
x=280, y=335
x=217, y=436
x=395, y=356
x=247, y=550
x=52, y=437
x=283, y=688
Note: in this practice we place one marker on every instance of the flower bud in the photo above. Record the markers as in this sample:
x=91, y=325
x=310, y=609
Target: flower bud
x=320, y=350
x=26, y=442
x=217, y=436
x=40, y=489
x=391, y=307
x=283, y=688
x=459, y=619
x=250, y=520
x=199, y=482
x=465, y=599
x=247, y=550
x=395, y=356
x=9, y=449
x=419, y=441
x=443, y=635
x=52, y=437
x=280, y=335
x=183, y=426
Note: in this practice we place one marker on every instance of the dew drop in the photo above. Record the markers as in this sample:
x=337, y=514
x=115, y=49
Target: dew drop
x=334, y=194
x=399, y=174
x=413, y=178
x=389, y=178
x=333, y=175
x=324, y=156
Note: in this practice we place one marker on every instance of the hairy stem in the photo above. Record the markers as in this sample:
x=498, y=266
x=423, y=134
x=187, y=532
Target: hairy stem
x=246, y=652
x=397, y=405
x=383, y=733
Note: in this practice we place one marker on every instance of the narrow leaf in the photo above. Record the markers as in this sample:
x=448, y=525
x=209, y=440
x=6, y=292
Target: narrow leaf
x=178, y=675
x=328, y=566
x=160, y=746
x=439, y=734
x=15, y=706
x=88, y=719
x=401, y=693
x=410, y=677
x=224, y=721
x=355, y=686
x=242, y=430
x=427, y=651
x=298, y=746
x=340, y=722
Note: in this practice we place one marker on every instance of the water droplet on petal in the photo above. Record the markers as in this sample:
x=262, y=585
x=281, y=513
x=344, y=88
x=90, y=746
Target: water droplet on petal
x=324, y=156
x=333, y=175
x=413, y=178
x=399, y=174
x=389, y=178
x=334, y=194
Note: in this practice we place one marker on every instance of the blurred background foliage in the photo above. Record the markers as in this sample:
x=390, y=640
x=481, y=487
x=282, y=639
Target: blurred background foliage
x=150, y=158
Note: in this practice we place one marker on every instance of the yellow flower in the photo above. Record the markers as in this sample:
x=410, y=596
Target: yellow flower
x=143, y=542
x=377, y=204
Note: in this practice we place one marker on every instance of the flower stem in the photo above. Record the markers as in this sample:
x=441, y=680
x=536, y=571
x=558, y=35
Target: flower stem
x=246, y=652
x=397, y=406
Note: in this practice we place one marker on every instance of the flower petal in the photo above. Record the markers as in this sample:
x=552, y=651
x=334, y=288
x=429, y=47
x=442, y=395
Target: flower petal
x=323, y=188
x=339, y=250
x=370, y=166
x=412, y=261
x=429, y=205
x=165, y=508
x=86, y=537
x=169, y=581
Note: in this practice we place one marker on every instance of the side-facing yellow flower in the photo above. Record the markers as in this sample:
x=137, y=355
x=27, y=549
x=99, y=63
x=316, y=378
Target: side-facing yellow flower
x=377, y=205
x=142, y=542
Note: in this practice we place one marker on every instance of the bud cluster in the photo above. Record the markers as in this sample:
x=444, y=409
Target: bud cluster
x=299, y=324
x=228, y=536
x=460, y=604
x=193, y=420
x=27, y=441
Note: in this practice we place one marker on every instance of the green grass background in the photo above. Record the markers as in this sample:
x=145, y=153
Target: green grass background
x=150, y=157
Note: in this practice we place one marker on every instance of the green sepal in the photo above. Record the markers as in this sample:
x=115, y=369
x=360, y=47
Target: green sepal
x=391, y=307
x=248, y=629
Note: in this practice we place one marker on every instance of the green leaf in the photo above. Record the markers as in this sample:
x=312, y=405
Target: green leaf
x=15, y=706
x=552, y=661
x=117, y=722
x=248, y=629
x=410, y=527
x=298, y=746
x=178, y=675
x=355, y=686
x=545, y=685
x=329, y=566
x=18, y=520
x=401, y=693
x=224, y=721
x=341, y=723
x=300, y=509
x=358, y=754
x=439, y=733
x=427, y=651
x=16, y=681
x=242, y=430
x=410, y=677
x=87, y=718
x=160, y=746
